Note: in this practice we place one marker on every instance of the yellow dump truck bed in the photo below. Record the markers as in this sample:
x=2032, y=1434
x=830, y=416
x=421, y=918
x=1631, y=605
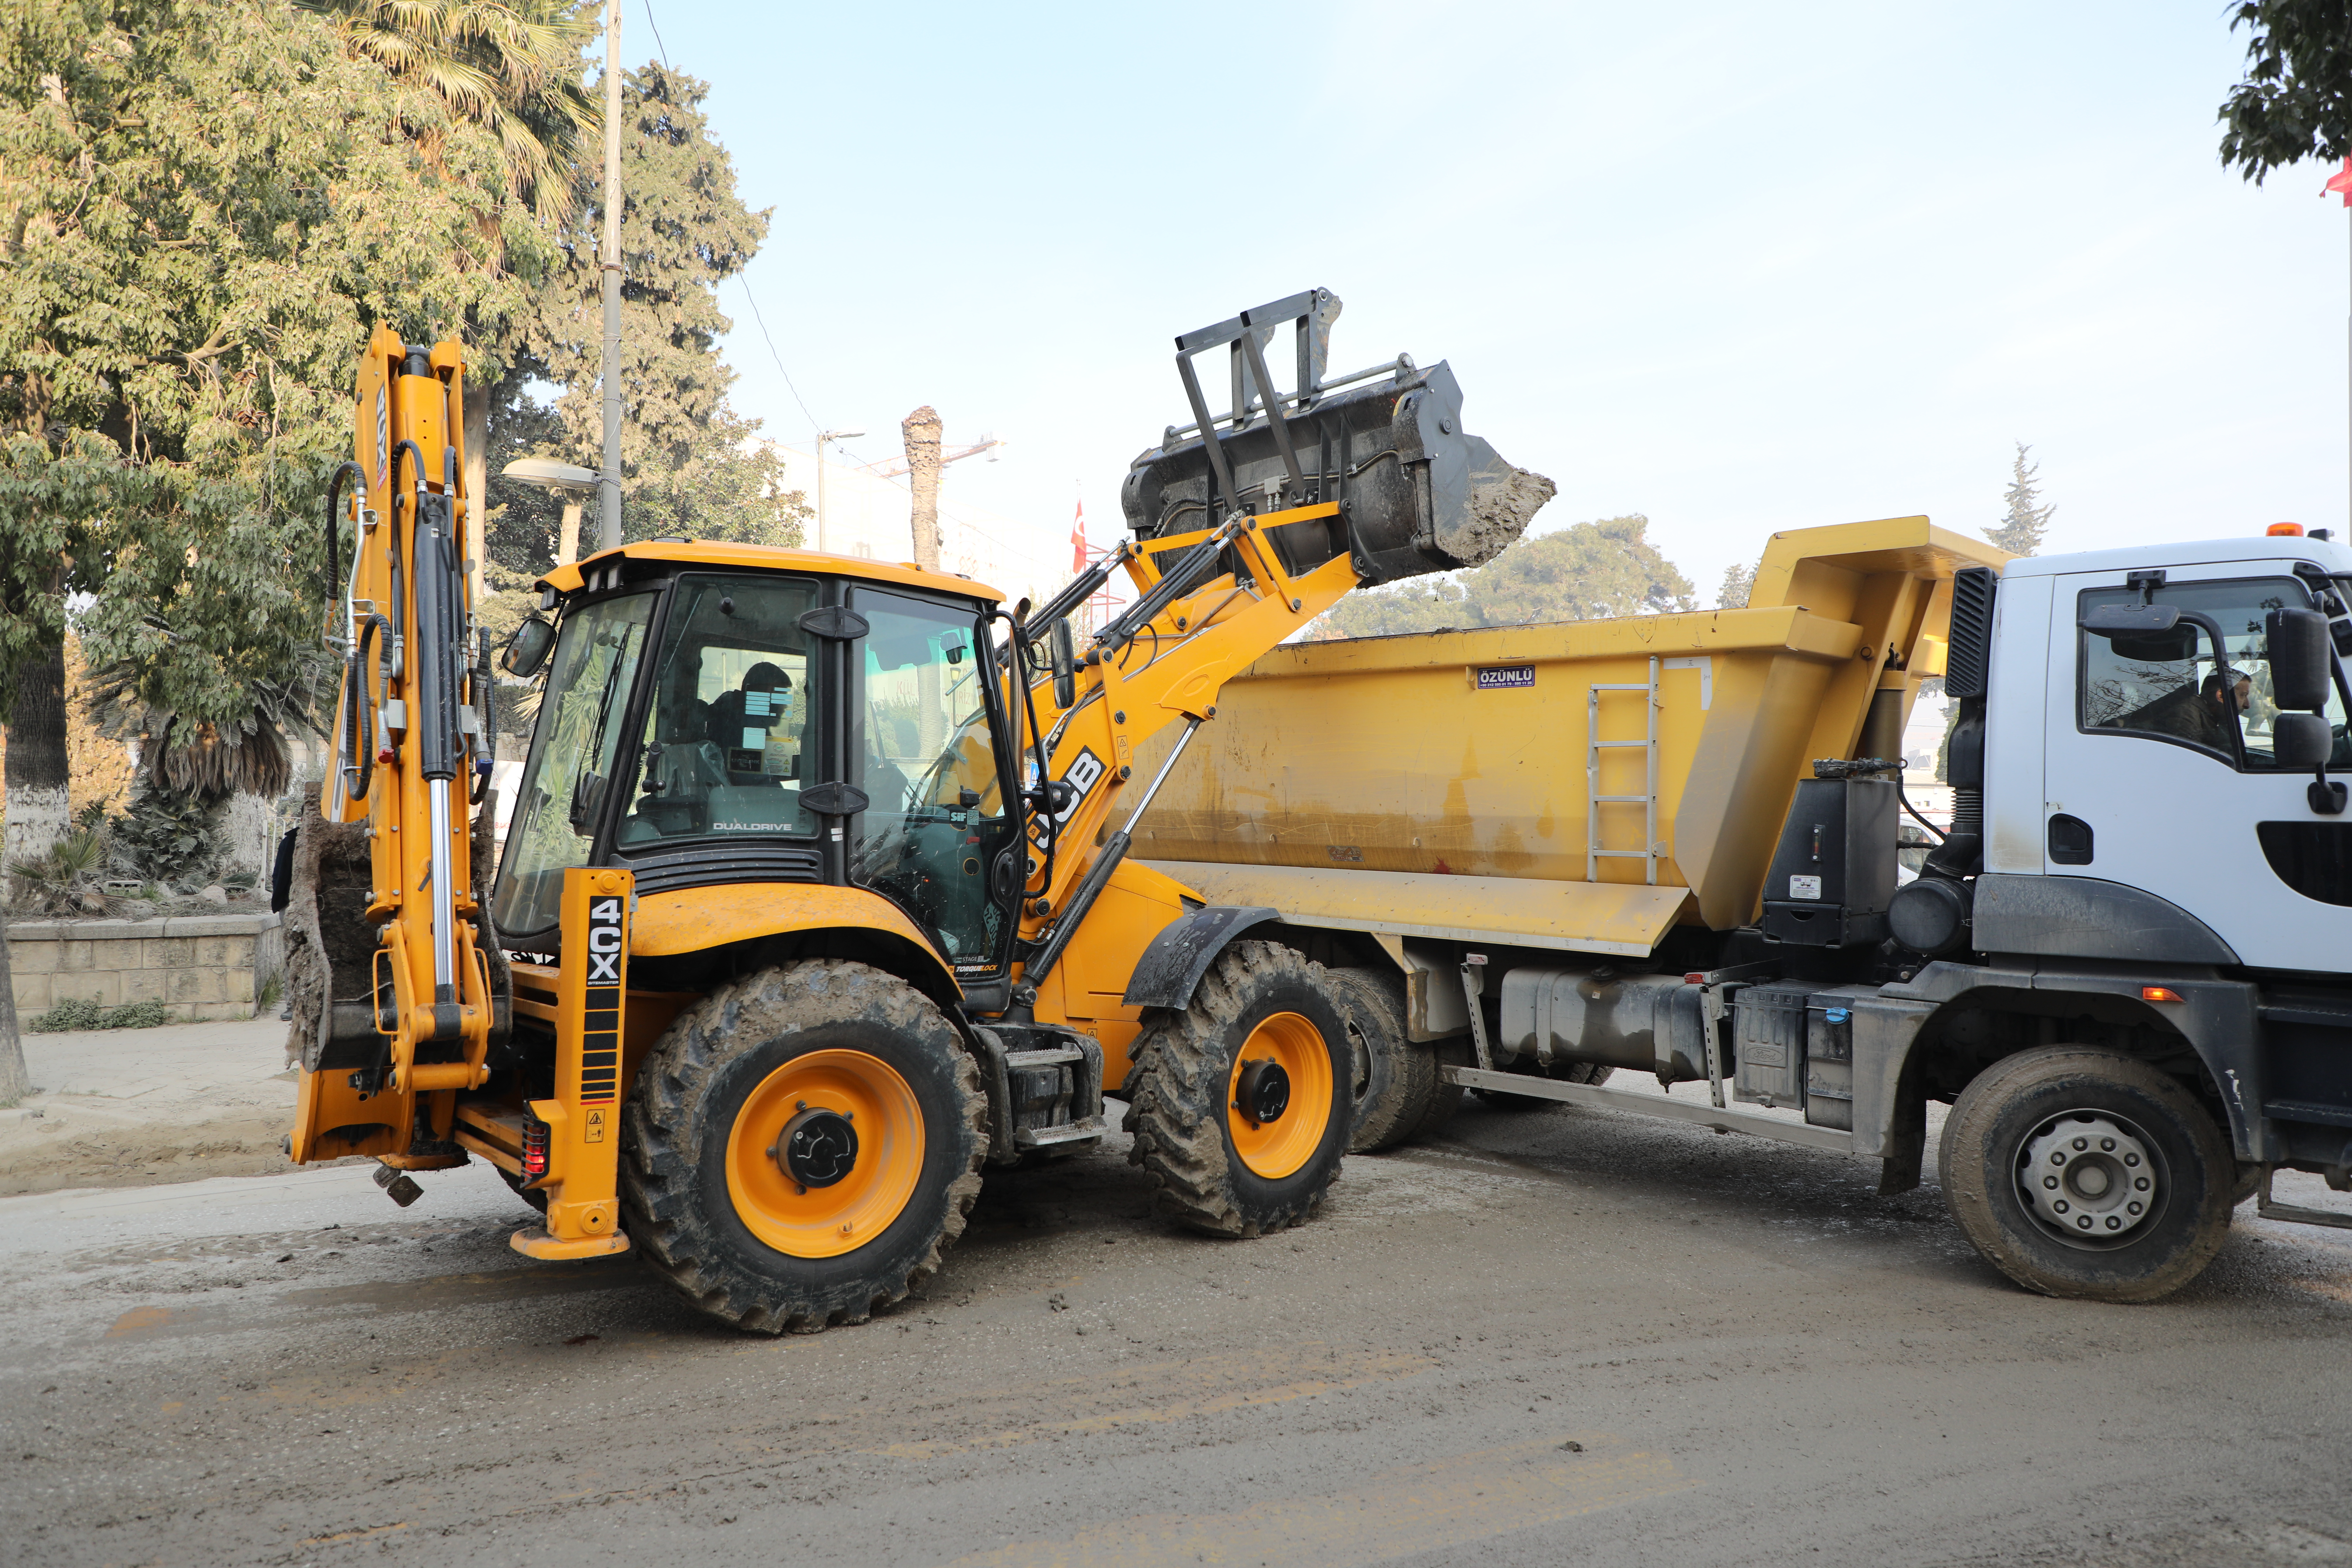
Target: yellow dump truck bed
x=1443, y=783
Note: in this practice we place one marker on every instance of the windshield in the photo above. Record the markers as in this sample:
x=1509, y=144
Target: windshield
x=935, y=821
x=723, y=736
x=572, y=761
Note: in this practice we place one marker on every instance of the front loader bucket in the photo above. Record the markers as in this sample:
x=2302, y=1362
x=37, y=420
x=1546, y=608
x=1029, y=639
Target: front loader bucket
x=1417, y=494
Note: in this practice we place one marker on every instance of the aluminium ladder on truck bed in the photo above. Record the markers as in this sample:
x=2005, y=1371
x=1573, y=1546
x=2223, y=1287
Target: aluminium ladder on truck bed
x=1593, y=745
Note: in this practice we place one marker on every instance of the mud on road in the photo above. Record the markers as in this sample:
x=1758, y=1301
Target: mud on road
x=1560, y=1335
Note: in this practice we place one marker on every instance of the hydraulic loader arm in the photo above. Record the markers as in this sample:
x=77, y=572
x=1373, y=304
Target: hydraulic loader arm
x=1194, y=625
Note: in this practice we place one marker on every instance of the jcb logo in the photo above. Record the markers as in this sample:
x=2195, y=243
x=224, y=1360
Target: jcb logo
x=604, y=941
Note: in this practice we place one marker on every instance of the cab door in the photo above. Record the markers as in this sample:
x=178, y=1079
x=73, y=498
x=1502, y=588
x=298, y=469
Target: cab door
x=2159, y=772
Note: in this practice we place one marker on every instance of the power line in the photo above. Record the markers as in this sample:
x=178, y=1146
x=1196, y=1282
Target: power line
x=658, y=38
x=744, y=277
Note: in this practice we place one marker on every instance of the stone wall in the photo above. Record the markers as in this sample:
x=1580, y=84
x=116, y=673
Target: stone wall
x=203, y=966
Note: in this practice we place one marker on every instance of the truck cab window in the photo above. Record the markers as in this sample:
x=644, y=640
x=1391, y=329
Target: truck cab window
x=936, y=820
x=722, y=748
x=2178, y=688
x=572, y=761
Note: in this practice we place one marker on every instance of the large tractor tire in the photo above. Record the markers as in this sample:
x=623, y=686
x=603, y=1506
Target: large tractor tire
x=1241, y=1103
x=2085, y=1173
x=802, y=1146
x=1394, y=1078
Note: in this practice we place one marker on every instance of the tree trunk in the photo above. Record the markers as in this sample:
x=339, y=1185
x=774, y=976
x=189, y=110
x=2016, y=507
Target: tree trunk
x=921, y=431
x=37, y=769
x=16, y=1083
x=477, y=481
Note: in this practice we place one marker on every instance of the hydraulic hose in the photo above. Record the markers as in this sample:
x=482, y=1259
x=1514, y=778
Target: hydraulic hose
x=334, y=557
x=358, y=730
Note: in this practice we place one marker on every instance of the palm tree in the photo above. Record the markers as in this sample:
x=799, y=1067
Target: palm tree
x=512, y=66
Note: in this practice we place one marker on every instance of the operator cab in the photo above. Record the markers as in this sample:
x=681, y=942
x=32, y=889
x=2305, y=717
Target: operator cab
x=717, y=714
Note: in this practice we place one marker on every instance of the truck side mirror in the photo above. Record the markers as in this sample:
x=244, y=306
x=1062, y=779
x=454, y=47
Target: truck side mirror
x=527, y=649
x=1062, y=650
x=2300, y=741
x=2302, y=664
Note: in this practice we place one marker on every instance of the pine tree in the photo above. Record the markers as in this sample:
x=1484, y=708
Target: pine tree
x=1738, y=582
x=2020, y=530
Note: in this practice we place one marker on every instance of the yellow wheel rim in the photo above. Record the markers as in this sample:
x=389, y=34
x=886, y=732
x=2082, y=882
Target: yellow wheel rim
x=811, y=1221
x=1278, y=1148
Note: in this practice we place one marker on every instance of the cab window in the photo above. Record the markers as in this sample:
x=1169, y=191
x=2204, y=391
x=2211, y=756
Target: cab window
x=730, y=715
x=2178, y=688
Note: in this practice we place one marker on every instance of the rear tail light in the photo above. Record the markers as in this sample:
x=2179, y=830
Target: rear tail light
x=534, y=1148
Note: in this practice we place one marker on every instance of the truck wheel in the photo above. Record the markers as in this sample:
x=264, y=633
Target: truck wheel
x=2081, y=1172
x=1241, y=1108
x=1394, y=1078
x=802, y=1146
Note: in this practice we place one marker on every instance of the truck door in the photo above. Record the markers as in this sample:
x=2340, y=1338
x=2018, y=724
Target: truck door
x=2159, y=772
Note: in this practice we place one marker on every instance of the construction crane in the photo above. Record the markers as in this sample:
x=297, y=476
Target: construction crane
x=813, y=906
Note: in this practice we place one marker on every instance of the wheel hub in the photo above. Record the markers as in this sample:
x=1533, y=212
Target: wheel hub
x=1263, y=1092
x=2090, y=1177
x=819, y=1146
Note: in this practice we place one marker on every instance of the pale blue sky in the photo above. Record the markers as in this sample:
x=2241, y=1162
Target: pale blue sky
x=1741, y=268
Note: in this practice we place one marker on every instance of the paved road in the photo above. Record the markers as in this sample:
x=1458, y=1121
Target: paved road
x=1561, y=1336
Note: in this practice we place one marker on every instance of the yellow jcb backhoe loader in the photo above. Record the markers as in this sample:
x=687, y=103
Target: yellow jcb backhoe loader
x=810, y=907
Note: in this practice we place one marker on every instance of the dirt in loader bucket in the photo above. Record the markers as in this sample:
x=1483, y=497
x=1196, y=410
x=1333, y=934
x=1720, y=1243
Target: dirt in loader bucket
x=1417, y=493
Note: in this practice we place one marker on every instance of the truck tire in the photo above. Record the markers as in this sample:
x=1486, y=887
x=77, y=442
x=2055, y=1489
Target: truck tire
x=534, y=1196
x=1218, y=1169
x=1445, y=1099
x=801, y=1147
x=2085, y=1172
x=1394, y=1078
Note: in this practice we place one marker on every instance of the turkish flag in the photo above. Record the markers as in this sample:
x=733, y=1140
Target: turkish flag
x=1078, y=523
x=2341, y=184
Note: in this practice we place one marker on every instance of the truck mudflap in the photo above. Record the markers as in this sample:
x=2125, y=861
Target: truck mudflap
x=1172, y=965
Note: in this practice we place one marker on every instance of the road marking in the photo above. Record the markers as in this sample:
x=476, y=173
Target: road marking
x=1427, y=1507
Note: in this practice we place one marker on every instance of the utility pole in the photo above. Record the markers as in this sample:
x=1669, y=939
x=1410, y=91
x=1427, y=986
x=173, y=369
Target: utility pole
x=608, y=521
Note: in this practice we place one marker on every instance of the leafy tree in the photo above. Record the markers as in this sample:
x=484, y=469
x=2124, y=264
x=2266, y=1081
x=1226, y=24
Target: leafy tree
x=1584, y=572
x=1738, y=582
x=512, y=68
x=206, y=203
x=691, y=467
x=2022, y=526
x=2295, y=101
x=683, y=230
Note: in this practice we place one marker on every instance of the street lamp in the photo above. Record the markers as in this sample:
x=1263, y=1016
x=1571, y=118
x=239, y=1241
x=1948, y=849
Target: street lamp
x=822, y=436
x=566, y=483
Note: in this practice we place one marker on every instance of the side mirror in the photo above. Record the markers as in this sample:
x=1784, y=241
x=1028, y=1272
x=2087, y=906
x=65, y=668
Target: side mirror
x=2300, y=741
x=528, y=648
x=1063, y=649
x=2301, y=662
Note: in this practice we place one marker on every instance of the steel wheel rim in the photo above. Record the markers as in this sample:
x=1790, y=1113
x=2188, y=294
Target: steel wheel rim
x=1283, y=1146
x=2091, y=1179
x=827, y=1221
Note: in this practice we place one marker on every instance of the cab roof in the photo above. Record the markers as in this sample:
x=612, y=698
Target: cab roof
x=767, y=558
x=2329, y=553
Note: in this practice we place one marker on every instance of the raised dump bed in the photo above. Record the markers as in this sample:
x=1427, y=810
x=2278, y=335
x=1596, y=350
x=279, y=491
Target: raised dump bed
x=1581, y=786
